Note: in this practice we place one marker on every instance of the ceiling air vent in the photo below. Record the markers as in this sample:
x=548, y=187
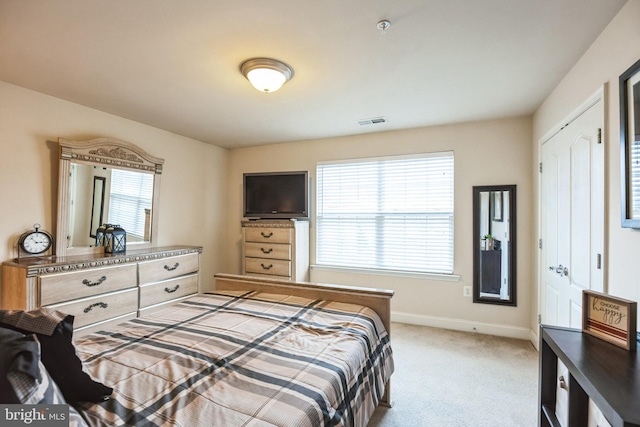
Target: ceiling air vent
x=373, y=121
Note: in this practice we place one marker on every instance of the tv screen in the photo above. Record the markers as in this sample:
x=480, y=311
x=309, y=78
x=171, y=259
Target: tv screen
x=282, y=195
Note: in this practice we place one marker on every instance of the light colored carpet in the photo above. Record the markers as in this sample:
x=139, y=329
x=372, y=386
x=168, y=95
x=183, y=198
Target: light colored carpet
x=450, y=378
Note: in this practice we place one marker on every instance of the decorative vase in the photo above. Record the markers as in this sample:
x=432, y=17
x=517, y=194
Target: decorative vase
x=488, y=244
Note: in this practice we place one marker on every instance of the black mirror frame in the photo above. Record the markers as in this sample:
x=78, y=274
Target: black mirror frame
x=626, y=105
x=97, y=205
x=512, y=301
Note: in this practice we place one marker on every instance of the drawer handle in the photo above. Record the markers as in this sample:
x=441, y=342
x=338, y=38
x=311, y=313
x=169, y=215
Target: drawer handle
x=266, y=236
x=169, y=268
x=170, y=291
x=266, y=251
x=266, y=267
x=88, y=283
x=563, y=383
x=97, y=304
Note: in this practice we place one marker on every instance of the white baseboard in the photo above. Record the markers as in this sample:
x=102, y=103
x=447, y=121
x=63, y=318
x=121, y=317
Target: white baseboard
x=534, y=338
x=464, y=325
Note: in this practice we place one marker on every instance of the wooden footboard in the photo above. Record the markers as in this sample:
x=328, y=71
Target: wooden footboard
x=379, y=300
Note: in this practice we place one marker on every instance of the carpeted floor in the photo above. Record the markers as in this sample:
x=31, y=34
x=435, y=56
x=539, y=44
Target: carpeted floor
x=449, y=378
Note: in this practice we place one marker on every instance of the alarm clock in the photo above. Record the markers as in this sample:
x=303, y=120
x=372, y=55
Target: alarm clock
x=34, y=242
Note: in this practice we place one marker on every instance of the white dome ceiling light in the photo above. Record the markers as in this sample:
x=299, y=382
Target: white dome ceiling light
x=266, y=75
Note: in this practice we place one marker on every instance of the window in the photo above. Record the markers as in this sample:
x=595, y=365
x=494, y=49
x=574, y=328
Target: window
x=130, y=196
x=393, y=213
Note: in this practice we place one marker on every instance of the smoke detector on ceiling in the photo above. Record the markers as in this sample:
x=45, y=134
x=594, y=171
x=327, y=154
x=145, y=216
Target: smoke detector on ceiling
x=372, y=121
x=383, y=25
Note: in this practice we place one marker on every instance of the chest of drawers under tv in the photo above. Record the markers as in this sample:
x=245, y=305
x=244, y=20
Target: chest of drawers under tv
x=276, y=248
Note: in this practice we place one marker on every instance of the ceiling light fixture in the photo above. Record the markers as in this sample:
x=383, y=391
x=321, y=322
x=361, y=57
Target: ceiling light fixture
x=266, y=75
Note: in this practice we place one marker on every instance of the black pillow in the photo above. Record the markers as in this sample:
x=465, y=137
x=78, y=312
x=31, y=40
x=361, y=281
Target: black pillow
x=58, y=354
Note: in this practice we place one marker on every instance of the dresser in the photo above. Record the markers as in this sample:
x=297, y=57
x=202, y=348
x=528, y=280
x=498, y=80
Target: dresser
x=585, y=381
x=102, y=288
x=490, y=271
x=276, y=248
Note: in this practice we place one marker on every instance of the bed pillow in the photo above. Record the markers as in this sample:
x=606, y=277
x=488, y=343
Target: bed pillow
x=23, y=377
x=20, y=354
x=54, y=331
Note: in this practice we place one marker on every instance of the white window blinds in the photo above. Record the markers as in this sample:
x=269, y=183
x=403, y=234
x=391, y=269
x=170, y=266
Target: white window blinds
x=634, y=181
x=129, y=197
x=392, y=213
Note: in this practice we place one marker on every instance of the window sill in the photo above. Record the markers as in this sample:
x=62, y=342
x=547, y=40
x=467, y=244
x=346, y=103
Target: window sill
x=393, y=273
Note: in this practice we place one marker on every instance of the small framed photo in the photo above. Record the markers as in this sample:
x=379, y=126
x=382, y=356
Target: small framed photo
x=610, y=318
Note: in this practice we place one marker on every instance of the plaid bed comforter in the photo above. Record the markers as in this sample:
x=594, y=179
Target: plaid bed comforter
x=241, y=359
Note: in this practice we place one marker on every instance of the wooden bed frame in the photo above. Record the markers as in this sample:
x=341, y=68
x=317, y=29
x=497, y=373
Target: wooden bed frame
x=379, y=300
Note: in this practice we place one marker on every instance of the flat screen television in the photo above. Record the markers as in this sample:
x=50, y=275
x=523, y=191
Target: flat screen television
x=276, y=195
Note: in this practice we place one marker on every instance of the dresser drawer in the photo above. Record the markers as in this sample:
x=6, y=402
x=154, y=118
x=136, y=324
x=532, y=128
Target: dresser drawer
x=268, y=250
x=595, y=416
x=168, y=290
x=271, y=235
x=272, y=267
x=98, y=308
x=167, y=268
x=60, y=287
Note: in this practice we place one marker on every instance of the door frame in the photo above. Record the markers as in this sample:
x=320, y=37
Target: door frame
x=598, y=95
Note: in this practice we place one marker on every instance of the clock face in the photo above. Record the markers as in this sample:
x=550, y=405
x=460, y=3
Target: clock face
x=36, y=242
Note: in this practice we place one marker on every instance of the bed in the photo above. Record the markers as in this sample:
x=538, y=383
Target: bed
x=256, y=352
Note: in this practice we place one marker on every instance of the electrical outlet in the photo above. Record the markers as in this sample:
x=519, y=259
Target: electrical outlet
x=466, y=291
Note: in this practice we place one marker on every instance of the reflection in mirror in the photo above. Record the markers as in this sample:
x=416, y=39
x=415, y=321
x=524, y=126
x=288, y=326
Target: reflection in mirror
x=97, y=205
x=494, y=244
x=106, y=180
x=116, y=197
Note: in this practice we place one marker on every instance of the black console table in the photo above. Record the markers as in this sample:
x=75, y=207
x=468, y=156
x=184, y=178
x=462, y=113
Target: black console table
x=600, y=371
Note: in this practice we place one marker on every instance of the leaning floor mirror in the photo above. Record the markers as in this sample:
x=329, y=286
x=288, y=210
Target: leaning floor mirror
x=494, y=244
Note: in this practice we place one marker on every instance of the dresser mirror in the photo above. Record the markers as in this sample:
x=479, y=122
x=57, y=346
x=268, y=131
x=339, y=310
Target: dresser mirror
x=494, y=244
x=106, y=180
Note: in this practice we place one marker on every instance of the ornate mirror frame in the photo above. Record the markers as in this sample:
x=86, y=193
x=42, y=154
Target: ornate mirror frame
x=494, y=205
x=105, y=153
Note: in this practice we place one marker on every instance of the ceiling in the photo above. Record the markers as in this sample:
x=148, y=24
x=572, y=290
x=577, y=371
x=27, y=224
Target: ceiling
x=174, y=64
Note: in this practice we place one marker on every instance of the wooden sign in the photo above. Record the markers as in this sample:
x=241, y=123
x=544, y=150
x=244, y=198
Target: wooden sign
x=609, y=318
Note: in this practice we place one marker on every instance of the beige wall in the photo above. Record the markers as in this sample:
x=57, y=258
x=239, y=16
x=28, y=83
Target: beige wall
x=486, y=153
x=615, y=50
x=193, y=179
